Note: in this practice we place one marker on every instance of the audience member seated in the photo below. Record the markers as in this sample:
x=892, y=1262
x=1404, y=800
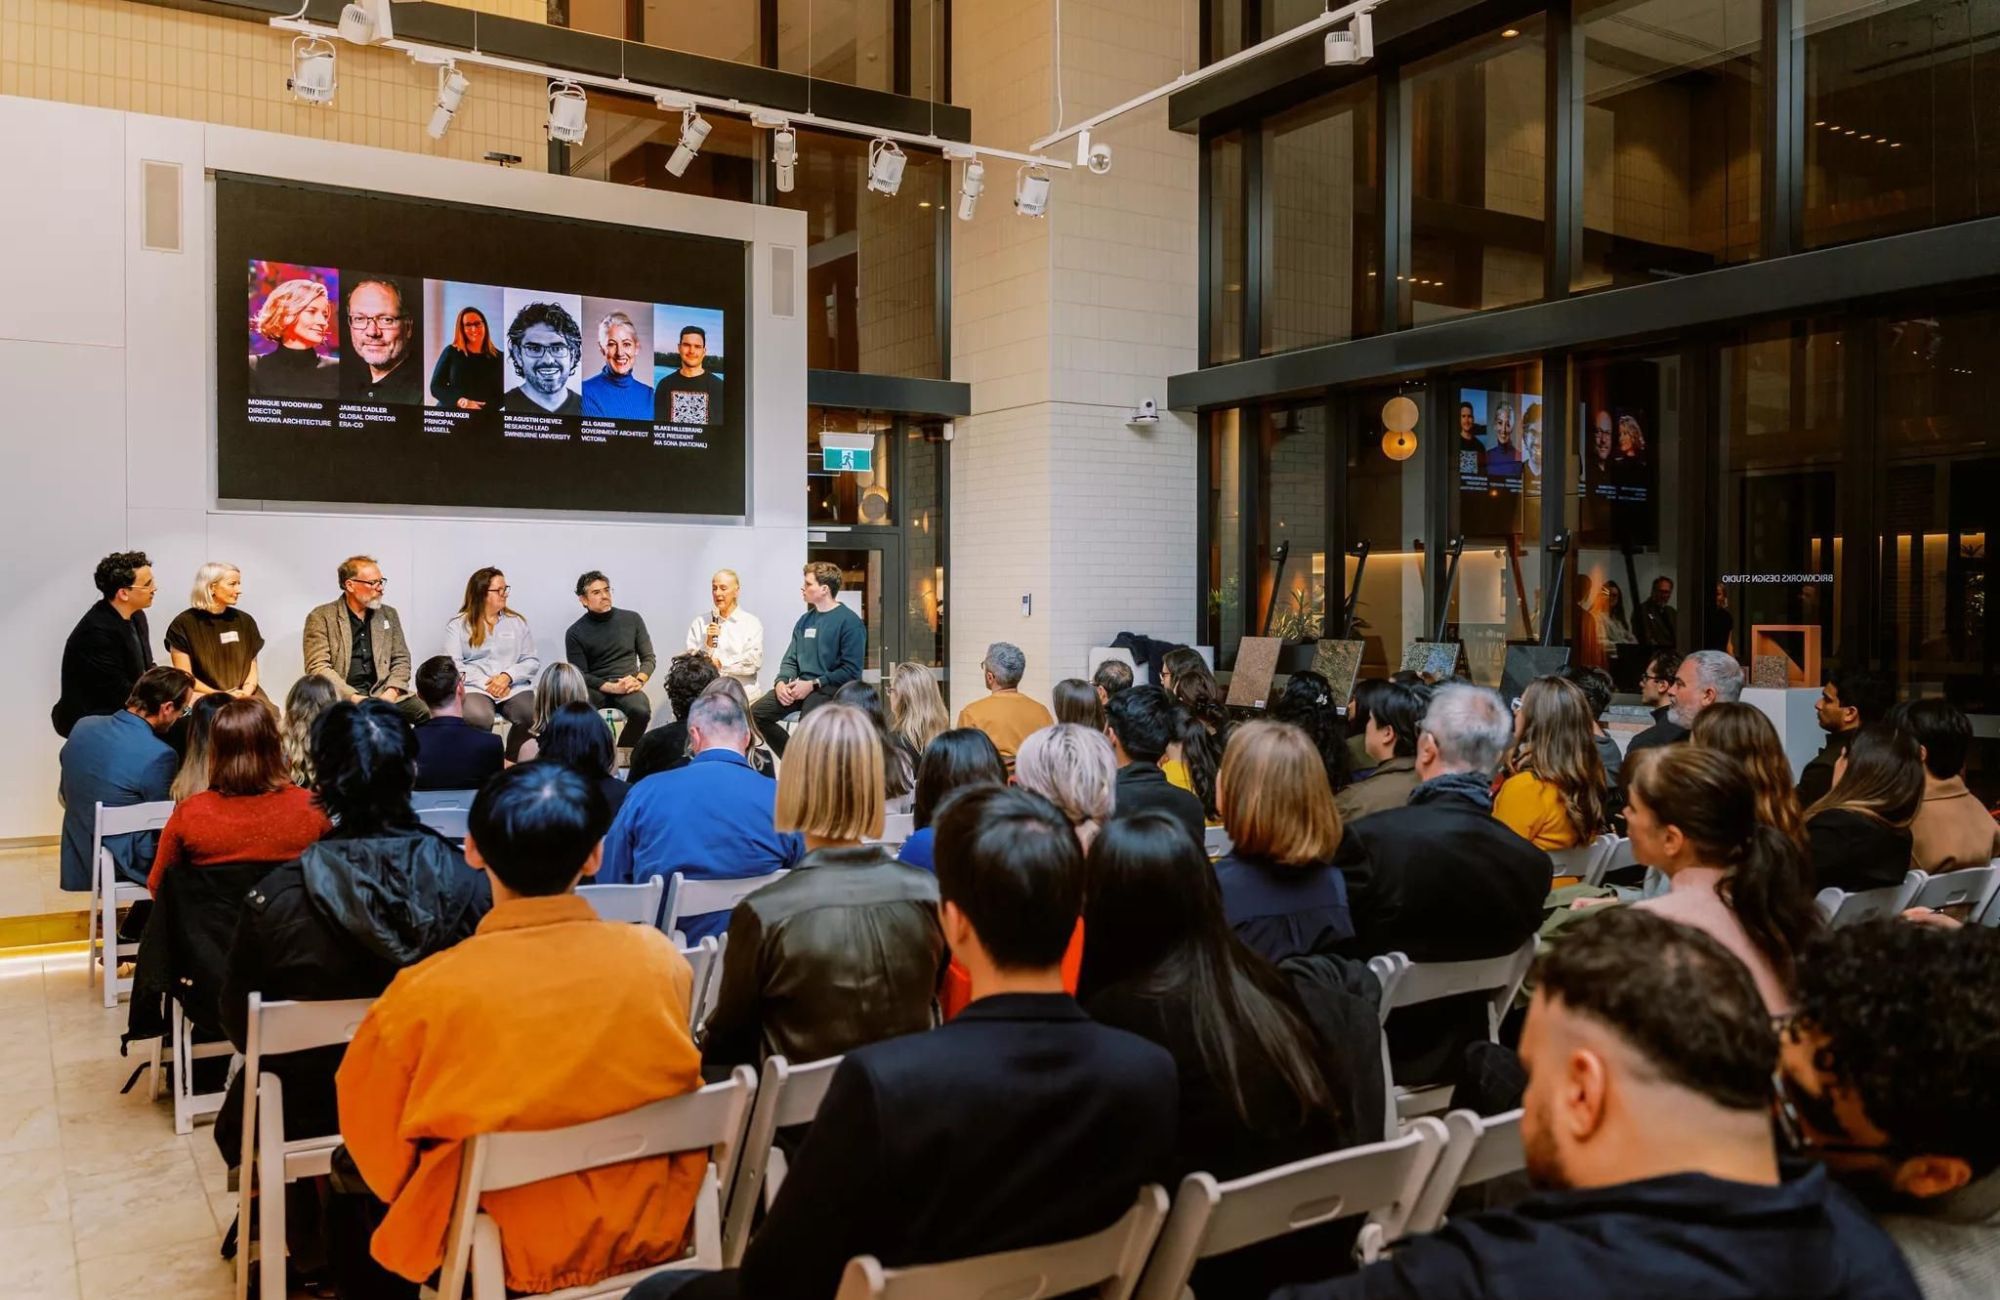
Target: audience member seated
x=899, y=761
x=1020, y=1123
x=916, y=706
x=1746, y=735
x=1892, y=1077
x=1852, y=698
x=1859, y=831
x=1692, y=813
x=1005, y=715
x=559, y=684
x=1553, y=795
x=377, y=893
x=494, y=650
x=1440, y=880
x=119, y=759
x=1598, y=688
x=577, y=738
x=666, y=746
x=1255, y=1091
x=545, y=1017
x=310, y=696
x=452, y=754
x=1359, y=708
x=1141, y=722
x=1647, y=1124
x=1390, y=714
x=761, y=759
x=847, y=949
x=110, y=647
x=709, y=820
x=958, y=758
x=1952, y=829
x=1307, y=703
x=213, y=640
x=1280, y=890
x=1072, y=767
x=1076, y=701
x=191, y=778
x=1111, y=677
x=251, y=811
x=1203, y=732
x=1656, y=692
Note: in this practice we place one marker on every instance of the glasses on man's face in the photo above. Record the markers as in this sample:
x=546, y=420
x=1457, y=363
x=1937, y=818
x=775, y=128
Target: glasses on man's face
x=553, y=351
x=375, y=585
x=1802, y=1117
x=379, y=324
x=1658, y=681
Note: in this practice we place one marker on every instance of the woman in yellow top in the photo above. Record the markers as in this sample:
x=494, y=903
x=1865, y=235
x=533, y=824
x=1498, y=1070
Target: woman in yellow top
x=1553, y=794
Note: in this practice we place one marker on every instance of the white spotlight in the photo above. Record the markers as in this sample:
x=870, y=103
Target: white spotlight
x=785, y=157
x=451, y=93
x=1353, y=44
x=885, y=166
x=1031, y=192
x=971, y=184
x=366, y=22
x=694, y=130
x=312, y=69
x=569, y=109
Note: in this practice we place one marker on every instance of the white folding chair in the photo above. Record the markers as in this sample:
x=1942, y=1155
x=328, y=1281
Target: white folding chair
x=190, y=1105
x=1476, y=1151
x=1107, y=1262
x=1617, y=859
x=700, y=897
x=711, y=1119
x=786, y=1095
x=636, y=904
x=108, y=894
x=897, y=827
x=701, y=959
x=1382, y=1181
x=1586, y=862
x=270, y=1159
x=445, y=811
x=711, y=988
x=1406, y=983
x=1842, y=908
x=1970, y=890
x=1215, y=840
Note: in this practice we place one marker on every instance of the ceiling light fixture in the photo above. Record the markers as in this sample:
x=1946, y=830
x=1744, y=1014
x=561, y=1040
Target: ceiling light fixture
x=452, y=85
x=312, y=69
x=785, y=157
x=1031, y=192
x=1510, y=33
x=971, y=184
x=569, y=110
x=886, y=162
x=694, y=130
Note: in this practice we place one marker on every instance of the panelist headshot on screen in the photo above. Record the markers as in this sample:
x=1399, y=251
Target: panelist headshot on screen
x=544, y=346
x=381, y=328
x=691, y=394
x=296, y=316
x=467, y=375
x=615, y=392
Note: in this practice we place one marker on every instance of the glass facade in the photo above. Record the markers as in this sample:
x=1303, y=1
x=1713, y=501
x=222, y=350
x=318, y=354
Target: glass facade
x=1496, y=507
x=1384, y=506
x=1228, y=269
x=1324, y=254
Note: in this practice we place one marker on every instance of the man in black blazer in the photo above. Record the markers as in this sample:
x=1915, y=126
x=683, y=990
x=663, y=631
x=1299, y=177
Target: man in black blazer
x=1141, y=724
x=1441, y=880
x=110, y=645
x=1021, y=1122
x=452, y=754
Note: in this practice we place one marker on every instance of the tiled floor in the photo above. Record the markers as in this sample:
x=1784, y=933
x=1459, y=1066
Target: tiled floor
x=30, y=883
x=99, y=1200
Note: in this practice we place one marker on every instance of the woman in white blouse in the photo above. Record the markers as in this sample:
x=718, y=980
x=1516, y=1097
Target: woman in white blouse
x=495, y=653
x=732, y=639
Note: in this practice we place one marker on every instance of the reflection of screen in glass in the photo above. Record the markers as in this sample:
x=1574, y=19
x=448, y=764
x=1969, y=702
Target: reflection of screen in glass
x=1499, y=442
x=396, y=338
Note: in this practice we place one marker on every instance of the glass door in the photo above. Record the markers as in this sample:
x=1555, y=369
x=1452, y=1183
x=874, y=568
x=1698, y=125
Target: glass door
x=869, y=565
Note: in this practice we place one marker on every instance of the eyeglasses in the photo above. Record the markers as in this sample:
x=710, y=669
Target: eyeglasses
x=554, y=351
x=1789, y=1108
x=376, y=585
x=1663, y=681
x=381, y=324
x=498, y=591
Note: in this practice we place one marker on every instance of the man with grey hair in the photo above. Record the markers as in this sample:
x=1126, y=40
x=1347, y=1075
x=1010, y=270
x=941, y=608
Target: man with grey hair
x=356, y=642
x=731, y=636
x=1005, y=715
x=1441, y=880
x=1705, y=677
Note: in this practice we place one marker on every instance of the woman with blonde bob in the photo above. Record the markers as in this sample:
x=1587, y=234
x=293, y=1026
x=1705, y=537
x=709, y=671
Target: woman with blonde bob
x=297, y=315
x=847, y=948
x=1280, y=890
x=214, y=641
x=916, y=707
x=1746, y=735
x=1073, y=768
x=1553, y=796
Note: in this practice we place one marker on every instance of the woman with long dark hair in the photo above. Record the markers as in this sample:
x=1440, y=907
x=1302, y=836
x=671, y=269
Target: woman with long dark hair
x=899, y=762
x=494, y=651
x=1307, y=703
x=1553, y=795
x=577, y=738
x=1746, y=735
x=1692, y=813
x=1161, y=961
x=961, y=757
x=1204, y=733
x=1859, y=833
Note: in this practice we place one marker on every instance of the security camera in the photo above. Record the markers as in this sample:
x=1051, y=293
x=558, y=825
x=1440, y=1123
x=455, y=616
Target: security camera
x=1147, y=412
x=1099, y=159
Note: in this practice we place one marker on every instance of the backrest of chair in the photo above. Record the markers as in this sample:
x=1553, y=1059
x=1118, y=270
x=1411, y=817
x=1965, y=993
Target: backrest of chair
x=711, y=989
x=701, y=961
x=279, y=1027
x=1619, y=856
x=710, y=1119
x=115, y=819
x=1969, y=891
x=440, y=800
x=1583, y=860
x=805, y=1088
x=786, y=1094
x=897, y=827
x=633, y=904
x=1215, y=840
x=1498, y=977
x=448, y=822
x=1388, y=968
x=699, y=897
x=1842, y=908
x=1108, y=1261
x=1476, y=1151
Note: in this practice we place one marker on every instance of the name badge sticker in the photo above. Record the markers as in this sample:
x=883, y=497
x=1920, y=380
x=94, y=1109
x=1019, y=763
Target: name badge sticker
x=812, y=633
x=229, y=638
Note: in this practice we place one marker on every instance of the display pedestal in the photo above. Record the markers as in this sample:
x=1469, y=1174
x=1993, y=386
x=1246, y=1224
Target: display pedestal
x=1792, y=711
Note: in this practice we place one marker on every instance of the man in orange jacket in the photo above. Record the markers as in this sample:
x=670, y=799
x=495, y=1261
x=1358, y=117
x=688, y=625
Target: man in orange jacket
x=544, y=1018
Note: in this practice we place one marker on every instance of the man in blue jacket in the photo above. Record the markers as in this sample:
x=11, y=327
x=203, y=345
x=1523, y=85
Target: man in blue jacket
x=710, y=819
x=829, y=646
x=118, y=759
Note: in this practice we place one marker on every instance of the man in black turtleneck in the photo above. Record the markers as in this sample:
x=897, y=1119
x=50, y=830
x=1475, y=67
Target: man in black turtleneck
x=612, y=650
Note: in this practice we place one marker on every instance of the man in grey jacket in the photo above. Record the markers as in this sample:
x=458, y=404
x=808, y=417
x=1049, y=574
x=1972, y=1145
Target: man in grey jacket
x=356, y=642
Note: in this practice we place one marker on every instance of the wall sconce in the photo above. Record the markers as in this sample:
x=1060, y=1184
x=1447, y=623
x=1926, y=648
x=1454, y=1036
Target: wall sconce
x=1399, y=418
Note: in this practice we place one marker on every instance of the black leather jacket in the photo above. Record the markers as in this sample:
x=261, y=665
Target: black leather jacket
x=845, y=951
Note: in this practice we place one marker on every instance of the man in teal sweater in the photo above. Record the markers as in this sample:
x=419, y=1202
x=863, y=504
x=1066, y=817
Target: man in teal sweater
x=829, y=646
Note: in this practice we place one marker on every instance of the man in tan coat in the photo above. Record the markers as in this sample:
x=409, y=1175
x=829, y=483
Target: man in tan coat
x=356, y=642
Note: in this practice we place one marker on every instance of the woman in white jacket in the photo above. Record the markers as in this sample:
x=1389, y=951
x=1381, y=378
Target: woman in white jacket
x=495, y=653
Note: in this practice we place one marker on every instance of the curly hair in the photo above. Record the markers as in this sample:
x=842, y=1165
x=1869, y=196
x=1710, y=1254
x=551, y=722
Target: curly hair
x=117, y=571
x=1911, y=1018
x=687, y=677
x=552, y=314
x=285, y=304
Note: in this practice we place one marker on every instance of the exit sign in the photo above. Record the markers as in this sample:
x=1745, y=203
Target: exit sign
x=855, y=460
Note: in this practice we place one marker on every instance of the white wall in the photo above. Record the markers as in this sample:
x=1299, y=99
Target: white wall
x=107, y=442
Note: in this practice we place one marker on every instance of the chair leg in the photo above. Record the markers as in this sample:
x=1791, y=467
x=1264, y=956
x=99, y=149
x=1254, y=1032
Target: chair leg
x=153, y=1069
x=183, y=1073
x=271, y=1200
x=109, y=968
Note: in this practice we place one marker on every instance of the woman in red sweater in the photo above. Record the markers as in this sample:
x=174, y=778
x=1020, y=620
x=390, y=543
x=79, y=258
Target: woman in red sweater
x=251, y=811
